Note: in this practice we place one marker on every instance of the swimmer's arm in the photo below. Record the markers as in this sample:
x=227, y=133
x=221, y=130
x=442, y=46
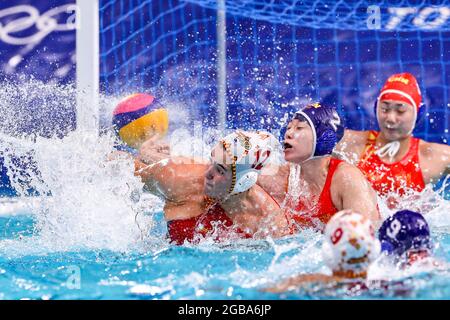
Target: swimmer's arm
x=343, y=144
x=355, y=193
x=174, y=178
x=161, y=178
x=298, y=281
x=153, y=151
x=273, y=180
x=266, y=180
x=151, y=175
x=434, y=161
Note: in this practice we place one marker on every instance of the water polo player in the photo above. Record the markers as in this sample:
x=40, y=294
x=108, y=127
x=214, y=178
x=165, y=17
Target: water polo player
x=405, y=237
x=392, y=159
x=349, y=247
x=315, y=185
x=137, y=118
x=218, y=199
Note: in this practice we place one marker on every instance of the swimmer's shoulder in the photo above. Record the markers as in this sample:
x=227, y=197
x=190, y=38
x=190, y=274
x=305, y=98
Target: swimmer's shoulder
x=352, y=145
x=358, y=137
x=345, y=178
x=273, y=173
x=355, y=138
x=349, y=187
x=274, y=180
x=433, y=150
x=347, y=172
x=434, y=159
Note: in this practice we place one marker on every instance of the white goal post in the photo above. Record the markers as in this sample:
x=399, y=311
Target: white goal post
x=87, y=64
x=88, y=73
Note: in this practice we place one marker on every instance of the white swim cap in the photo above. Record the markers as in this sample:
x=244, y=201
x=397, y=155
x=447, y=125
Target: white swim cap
x=350, y=243
x=249, y=152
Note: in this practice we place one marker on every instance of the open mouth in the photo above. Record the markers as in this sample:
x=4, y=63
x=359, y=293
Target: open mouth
x=287, y=146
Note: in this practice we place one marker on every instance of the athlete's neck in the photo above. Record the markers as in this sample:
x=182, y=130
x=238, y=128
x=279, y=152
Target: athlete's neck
x=315, y=171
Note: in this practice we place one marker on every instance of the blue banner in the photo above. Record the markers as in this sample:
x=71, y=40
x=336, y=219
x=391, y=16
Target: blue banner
x=38, y=38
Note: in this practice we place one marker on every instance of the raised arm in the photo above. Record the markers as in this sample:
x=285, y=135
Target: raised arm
x=153, y=150
x=175, y=179
x=351, y=190
x=152, y=175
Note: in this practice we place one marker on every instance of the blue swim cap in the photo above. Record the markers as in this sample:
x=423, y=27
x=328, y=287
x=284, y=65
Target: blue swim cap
x=403, y=231
x=327, y=126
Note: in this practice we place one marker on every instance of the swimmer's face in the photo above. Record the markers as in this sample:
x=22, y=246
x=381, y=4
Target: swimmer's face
x=218, y=176
x=395, y=118
x=298, y=141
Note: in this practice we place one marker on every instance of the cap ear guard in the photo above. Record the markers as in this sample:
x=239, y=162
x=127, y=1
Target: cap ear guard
x=245, y=180
x=327, y=129
x=421, y=113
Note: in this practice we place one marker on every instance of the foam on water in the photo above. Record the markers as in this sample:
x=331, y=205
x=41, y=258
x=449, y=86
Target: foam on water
x=87, y=201
x=93, y=202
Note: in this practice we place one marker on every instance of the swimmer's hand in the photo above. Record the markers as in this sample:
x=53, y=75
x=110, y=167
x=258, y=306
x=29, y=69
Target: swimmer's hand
x=300, y=281
x=153, y=151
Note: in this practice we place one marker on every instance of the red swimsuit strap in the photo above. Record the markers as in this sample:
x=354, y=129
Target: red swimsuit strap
x=370, y=145
x=413, y=151
x=326, y=191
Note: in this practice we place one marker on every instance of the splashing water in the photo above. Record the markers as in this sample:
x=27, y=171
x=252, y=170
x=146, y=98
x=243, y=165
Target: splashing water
x=86, y=201
x=91, y=210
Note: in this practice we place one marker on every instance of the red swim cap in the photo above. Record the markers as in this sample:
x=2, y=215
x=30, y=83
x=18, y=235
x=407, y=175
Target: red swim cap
x=402, y=87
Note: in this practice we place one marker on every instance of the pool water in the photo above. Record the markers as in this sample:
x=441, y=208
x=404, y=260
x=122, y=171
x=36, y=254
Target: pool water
x=209, y=271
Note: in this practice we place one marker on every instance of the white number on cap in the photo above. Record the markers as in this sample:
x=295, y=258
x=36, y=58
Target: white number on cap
x=335, y=122
x=393, y=229
x=258, y=165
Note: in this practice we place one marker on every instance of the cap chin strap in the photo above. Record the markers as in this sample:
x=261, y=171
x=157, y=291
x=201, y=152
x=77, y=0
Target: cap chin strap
x=240, y=181
x=390, y=149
